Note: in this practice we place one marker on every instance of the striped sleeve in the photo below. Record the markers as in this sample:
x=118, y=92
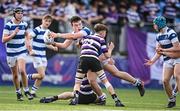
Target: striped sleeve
x=6, y=29
x=173, y=37
x=34, y=32
x=86, y=31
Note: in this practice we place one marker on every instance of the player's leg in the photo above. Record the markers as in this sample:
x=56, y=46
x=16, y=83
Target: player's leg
x=96, y=88
x=62, y=96
x=95, y=66
x=38, y=79
x=22, y=69
x=175, y=91
x=177, y=76
x=78, y=79
x=109, y=87
x=167, y=74
x=12, y=63
x=16, y=82
x=125, y=76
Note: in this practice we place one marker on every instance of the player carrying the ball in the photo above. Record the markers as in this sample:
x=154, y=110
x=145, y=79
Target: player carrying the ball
x=38, y=51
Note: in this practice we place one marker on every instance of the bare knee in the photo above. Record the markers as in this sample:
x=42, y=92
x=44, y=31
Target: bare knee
x=165, y=81
x=22, y=72
x=41, y=76
x=15, y=76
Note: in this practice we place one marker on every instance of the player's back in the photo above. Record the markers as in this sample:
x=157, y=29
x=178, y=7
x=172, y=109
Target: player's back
x=92, y=45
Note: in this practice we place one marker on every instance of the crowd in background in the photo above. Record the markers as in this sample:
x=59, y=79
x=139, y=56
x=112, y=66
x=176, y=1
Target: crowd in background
x=116, y=14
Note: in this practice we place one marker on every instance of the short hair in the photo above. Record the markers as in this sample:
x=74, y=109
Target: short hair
x=47, y=16
x=75, y=19
x=100, y=27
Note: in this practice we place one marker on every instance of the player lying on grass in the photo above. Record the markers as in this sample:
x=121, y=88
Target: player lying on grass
x=86, y=95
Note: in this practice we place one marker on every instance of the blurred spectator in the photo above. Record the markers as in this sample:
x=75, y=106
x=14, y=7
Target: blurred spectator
x=93, y=16
x=149, y=11
x=133, y=16
x=3, y=8
x=39, y=9
x=169, y=11
x=112, y=22
x=122, y=20
x=27, y=9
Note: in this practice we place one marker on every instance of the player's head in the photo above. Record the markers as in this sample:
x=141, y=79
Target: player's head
x=159, y=23
x=101, y=29
x=76, y=23
x=46, y=20
x=18, y=13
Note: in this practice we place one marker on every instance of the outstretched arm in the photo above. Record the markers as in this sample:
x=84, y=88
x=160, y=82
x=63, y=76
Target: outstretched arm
x=153, y=60
x=65, y=44
x=52, y=47
x=67, y=35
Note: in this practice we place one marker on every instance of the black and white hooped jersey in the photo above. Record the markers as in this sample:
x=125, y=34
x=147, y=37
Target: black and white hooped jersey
x=85, y=87
x=167, y=39
x=93, y=46
x=16, y=45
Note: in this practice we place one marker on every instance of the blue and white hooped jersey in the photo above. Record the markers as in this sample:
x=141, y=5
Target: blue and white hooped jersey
x=167, y=39
x=38, y=45
x=16, y=45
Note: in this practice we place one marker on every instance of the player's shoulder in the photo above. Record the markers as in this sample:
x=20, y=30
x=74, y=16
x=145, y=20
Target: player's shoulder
x=87, y=30
x=170, y=31
x=23, y=22
x=9, y=22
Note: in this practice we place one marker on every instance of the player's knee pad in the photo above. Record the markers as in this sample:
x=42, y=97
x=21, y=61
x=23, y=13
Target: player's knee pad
x=107, y=85
x=101, y=75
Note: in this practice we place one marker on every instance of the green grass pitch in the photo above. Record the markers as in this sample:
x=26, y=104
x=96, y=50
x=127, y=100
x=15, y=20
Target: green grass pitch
x=153, y=100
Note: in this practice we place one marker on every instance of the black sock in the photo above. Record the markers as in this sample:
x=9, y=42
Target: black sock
x=55, y=98
x=114, y=96
x=76, y=93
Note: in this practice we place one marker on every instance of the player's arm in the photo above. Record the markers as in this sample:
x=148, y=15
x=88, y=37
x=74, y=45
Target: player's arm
x=29, y=36
x=174, y=39
x=110, y=49
x=172, y=54
x=65, y=44
x=80, y=34
x=54, y=48
x=175, y=48
x=153, y=60
x=6, y=36
x=68, y=35
x=104, y=49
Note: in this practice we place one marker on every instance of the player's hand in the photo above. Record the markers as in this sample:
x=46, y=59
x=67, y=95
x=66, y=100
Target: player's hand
x=31, y=53
x=111, y=46
x=55, y=49
x=148, y=62
x=15, y=31
x=111, y=61
x=53, y=35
